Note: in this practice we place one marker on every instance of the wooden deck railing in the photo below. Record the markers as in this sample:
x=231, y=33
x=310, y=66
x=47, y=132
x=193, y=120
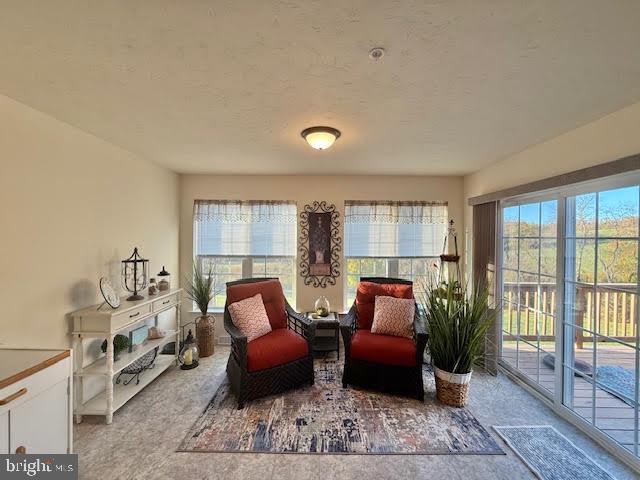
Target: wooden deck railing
x=615, y=311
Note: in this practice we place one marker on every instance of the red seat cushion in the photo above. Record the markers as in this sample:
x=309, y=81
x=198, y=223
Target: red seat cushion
x=275, y=348
x=383, y=349
x=272, y=297
x=366, y=299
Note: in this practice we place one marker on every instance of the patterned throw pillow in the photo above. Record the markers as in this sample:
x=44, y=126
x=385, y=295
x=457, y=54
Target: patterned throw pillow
x=393, y=316
x=250, y=316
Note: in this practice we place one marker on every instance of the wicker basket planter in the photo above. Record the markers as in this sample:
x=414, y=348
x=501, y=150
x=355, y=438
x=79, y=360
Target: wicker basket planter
x=205, y=329
x=452, y=388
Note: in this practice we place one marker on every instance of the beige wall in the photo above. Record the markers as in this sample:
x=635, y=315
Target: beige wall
x=606, y=139
x=72, y=206
x=303, y=190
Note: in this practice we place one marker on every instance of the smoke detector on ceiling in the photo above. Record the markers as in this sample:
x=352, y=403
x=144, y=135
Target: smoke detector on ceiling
x=376, y=53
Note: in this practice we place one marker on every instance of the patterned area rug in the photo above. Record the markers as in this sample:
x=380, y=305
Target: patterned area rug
x=326, y=418
x=550, y=455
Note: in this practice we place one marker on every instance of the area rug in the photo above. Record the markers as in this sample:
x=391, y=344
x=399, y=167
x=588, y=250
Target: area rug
x=618, y=381
x=550, y=455
x=328, y=419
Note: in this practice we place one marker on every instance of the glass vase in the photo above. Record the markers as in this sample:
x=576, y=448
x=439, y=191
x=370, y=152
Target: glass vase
x=322, y=307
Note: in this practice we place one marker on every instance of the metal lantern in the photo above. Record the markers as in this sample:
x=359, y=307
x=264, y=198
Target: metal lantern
x=189, y=355
x=135, y=274
x=164, y=282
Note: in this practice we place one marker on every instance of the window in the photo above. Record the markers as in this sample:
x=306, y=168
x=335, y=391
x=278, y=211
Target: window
x=569, y=283
x=246, y=239
x=392, y=239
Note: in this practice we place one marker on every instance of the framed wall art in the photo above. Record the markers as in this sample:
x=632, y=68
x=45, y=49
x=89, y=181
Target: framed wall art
x=320, y=244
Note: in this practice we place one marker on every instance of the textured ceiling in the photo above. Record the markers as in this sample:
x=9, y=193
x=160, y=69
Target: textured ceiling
x=227, y=86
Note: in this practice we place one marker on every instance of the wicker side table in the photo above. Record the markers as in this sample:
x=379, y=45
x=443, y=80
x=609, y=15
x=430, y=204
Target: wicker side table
x=327, y=338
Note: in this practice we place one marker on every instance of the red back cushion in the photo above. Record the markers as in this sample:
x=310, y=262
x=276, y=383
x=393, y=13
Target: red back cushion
x=366, y=299
x=272, y=296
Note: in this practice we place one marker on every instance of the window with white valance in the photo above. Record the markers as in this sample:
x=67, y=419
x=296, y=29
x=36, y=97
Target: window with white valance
x=240, y=239
x=394, y=239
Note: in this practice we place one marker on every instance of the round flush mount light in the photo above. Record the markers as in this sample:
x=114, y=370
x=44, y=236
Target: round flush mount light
x=320, y=138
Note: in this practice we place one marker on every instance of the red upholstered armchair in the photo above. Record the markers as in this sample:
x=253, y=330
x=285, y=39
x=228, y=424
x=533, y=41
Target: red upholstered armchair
x=277, y=361
x=382, y=362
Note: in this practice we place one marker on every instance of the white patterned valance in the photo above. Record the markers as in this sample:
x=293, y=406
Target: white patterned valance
x=244, y=211
x=244, y=228
x=357, y=211
x=394, y=229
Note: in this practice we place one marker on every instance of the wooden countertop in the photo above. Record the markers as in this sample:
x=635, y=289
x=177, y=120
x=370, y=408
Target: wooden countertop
x=16, y=364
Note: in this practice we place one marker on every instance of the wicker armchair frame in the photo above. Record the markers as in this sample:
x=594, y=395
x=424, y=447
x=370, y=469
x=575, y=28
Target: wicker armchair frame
x=377, y=376
x=251, y=385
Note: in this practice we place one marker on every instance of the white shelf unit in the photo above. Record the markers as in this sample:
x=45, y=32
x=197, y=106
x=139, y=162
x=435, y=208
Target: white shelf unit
x=99, y=367
x=123, y=393
x=101, y=321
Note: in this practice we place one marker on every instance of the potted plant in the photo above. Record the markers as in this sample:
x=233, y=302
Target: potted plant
x=457, y=322
x=199, y=289
x=120, y=344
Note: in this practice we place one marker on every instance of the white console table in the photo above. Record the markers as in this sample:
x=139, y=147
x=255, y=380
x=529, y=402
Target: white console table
x=102, y=321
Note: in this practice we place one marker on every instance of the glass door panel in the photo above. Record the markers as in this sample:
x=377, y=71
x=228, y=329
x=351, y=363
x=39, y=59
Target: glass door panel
x=529, y=253
x=601, y=363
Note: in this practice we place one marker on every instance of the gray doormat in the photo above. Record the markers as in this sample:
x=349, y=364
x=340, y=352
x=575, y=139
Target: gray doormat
x=550, y=455
x=618, y=381
x=328, y=419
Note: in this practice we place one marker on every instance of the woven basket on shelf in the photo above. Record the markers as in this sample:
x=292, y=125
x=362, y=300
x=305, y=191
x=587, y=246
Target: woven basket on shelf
x=205, y=328
x=452, y=389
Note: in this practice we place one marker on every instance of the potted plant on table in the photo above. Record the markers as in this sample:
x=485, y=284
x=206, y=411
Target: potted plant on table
x=457, y=323
x=199, y=289
x=120, y=344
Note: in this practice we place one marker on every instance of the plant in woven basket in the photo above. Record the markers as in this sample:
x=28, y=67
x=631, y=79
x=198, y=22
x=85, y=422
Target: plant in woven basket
x=457, y=322
x=199, y=288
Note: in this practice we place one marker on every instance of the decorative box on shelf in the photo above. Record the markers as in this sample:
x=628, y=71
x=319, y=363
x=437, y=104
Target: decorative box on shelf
x=104, y=322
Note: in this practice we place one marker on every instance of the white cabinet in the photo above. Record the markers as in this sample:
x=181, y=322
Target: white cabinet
x=40, y=424
x=4, y=432
x=35, y=402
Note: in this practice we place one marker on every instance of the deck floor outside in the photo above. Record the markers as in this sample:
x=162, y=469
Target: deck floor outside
x=613, y=416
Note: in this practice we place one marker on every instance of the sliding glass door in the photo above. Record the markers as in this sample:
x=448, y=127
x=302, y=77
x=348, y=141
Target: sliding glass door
x=601, y=311
x=569, y=271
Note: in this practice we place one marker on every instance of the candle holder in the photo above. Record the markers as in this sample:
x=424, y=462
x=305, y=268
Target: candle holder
x=189, y=356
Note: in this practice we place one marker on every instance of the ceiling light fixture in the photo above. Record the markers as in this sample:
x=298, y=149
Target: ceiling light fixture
x=320, y=138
